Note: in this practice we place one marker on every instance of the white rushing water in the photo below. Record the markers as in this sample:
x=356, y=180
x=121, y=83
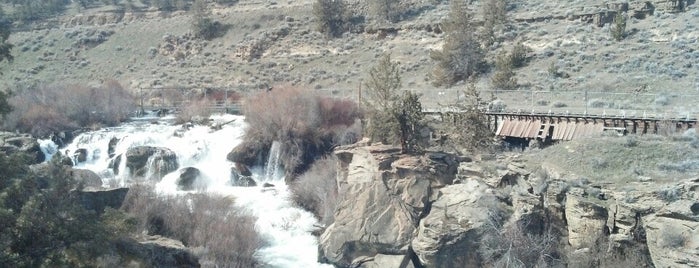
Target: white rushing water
x=286, y=228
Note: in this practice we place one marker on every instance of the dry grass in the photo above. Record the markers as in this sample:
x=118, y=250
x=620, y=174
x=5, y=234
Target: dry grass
x=316, y=189
x=620, y=160
x=225, y=234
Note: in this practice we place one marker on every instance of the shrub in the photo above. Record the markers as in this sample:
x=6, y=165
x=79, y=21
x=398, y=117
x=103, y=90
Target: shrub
x=673, y=238
x=469, y=129
x=316, y=189
x=332, y=17
x=554, y=71
x=494, y=13
x=504, y=76
x=618, y=29
x=518, y=244
x=44, y=223
x=388, y=10
x=559, y=104
x=226, y=1
x=5, y=47
x=307, y=126
x=461, y=56
x=45, y=109
x=5, y=107
x=202, y=25
x=197, y=110
x=392, y=118
x=226, y=233
x=519, y=55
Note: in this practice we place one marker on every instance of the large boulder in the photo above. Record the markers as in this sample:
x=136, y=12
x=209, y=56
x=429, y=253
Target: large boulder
x=87, y=178
x=673, y=240
x=98, y=200
x=383, y=196
x=83, y=177
x=157, y=251
x=23, y=143
x=673, y=231
x=151, y=163
x=381, y=261
x=249, y=154
x=190, y=179
x=449, y=235
x=111, y=147
x=587, y=221
x=80, y=155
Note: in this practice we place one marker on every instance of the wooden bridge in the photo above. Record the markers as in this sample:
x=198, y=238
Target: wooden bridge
x=230, y=108
x=551, y=127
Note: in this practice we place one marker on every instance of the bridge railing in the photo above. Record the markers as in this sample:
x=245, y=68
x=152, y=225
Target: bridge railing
x=219, y=99
x=621, y=104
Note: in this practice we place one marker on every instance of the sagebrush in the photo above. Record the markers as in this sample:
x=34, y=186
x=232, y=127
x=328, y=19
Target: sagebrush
x=225, y=232
x=316, y=189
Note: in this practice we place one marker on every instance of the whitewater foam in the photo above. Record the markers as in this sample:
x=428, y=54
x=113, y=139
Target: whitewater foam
x=285, y=227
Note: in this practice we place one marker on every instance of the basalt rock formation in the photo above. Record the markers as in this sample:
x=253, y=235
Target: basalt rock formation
x=418, y=210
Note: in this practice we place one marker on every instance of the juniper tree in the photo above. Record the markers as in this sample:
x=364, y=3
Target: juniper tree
x=494, y=14
x=468, y=128
x=331, y=16
x=387, y=10
x=5, y=46
x=618, y=28
x=461, y=56
x=394, y=116
x=504, y=76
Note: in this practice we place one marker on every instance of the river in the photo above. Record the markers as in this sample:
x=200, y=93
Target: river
x=285, y=228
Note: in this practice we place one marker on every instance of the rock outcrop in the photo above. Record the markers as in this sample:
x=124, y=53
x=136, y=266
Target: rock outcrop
x=158, y=251
x=190, y=179
x=12, y=142
x=98, y=200
x=448, y=236
x=399, y=209
x=150, y=163
x=383, y=197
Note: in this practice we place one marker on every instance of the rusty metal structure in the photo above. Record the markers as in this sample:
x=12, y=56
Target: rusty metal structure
x=555, y=127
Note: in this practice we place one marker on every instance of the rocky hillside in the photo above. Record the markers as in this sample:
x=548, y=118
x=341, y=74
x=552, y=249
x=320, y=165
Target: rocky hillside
x=435, y=211
x=276, y=43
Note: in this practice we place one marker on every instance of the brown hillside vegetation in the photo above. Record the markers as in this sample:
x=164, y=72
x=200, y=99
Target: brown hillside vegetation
x=270, y=43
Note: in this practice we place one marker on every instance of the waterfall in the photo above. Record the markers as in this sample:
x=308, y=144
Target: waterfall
x=285, y=228
x=48, y=147
x=273, y=167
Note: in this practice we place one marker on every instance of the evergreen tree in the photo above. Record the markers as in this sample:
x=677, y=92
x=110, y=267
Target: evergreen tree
x=494, y=14
x=461, y=56
x=387, y=10
x=468, y=128
x=331, y=16
x=394, y=117
x=42, y=222
x=5, y=46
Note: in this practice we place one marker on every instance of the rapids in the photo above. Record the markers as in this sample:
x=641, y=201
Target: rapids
x=285, y=228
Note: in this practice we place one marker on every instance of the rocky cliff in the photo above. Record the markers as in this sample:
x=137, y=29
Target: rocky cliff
x=432, y=211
